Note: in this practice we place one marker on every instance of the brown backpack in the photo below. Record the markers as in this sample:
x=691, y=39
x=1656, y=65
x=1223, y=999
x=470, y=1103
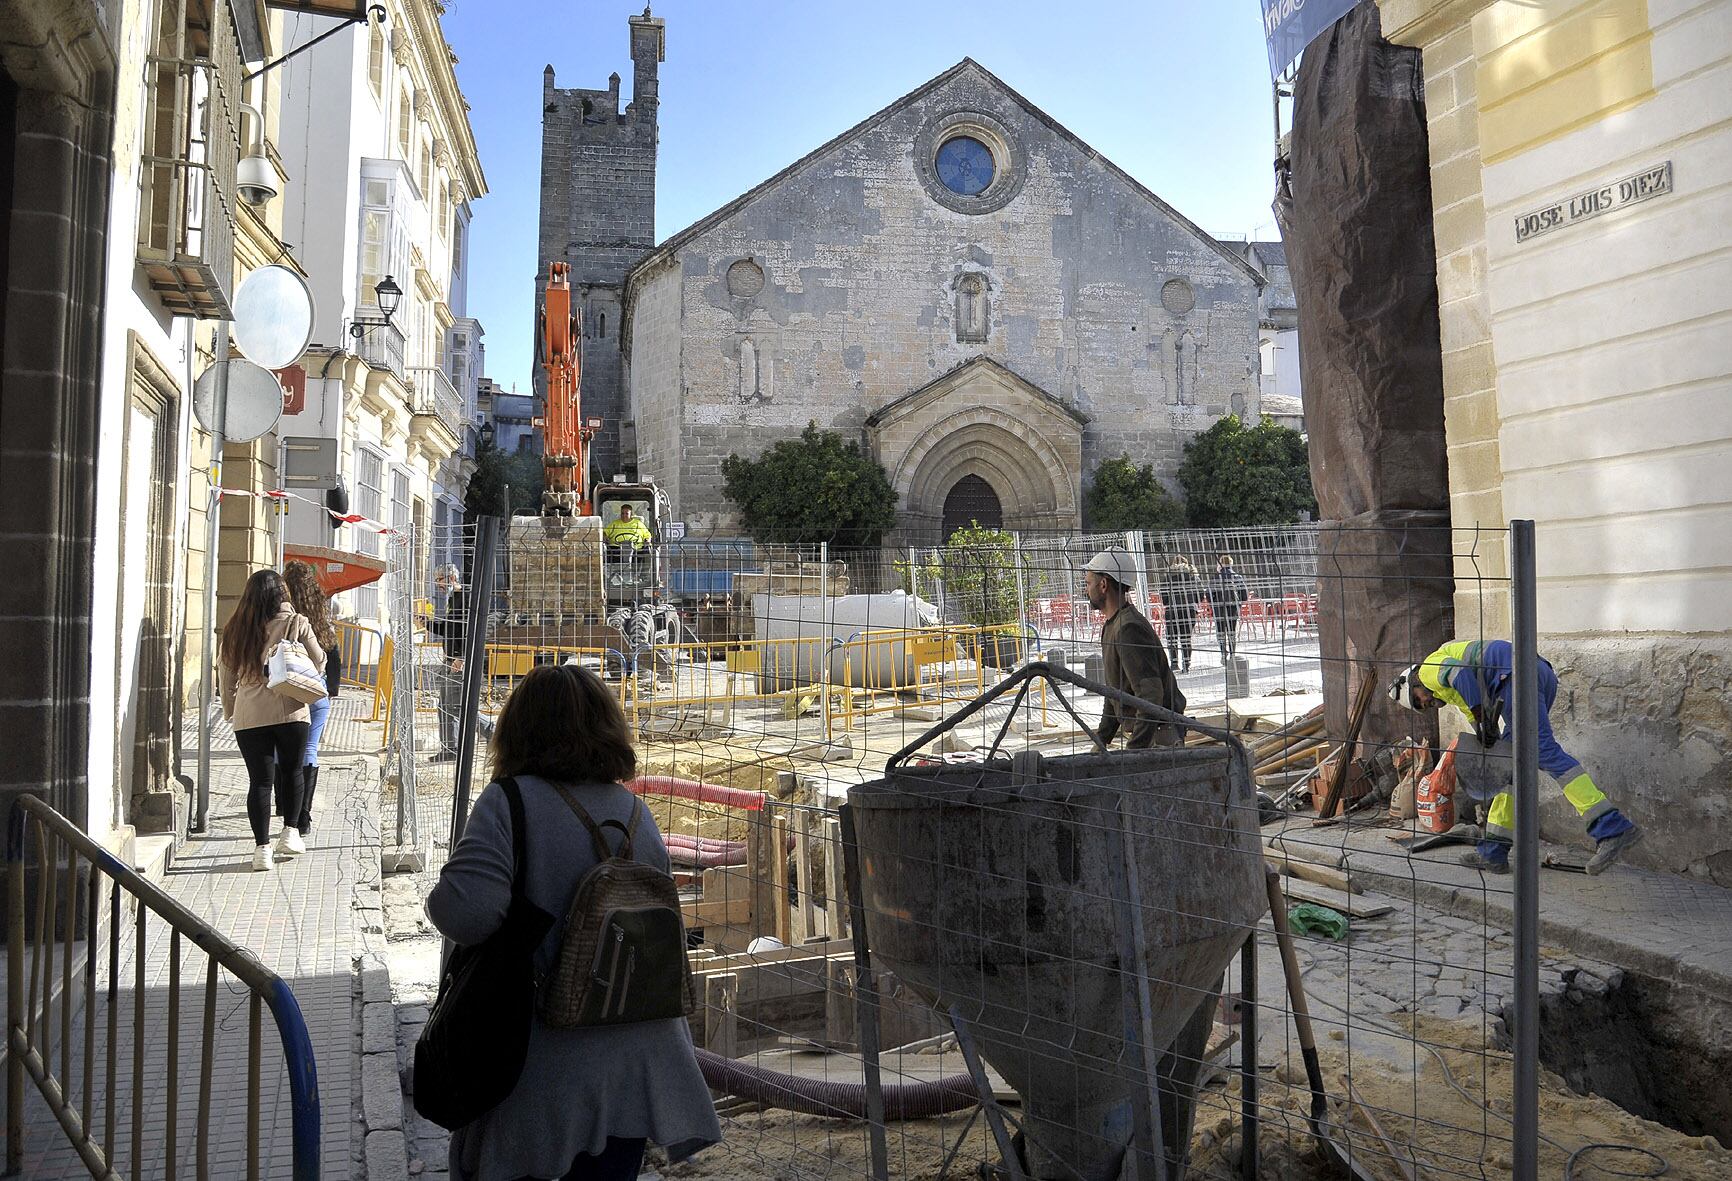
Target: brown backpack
x=622, y=957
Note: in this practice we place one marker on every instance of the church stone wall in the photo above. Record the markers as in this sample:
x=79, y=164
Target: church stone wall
x=861, y=269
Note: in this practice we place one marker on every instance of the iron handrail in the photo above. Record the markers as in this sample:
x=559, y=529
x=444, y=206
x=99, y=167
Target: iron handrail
x=60, y=847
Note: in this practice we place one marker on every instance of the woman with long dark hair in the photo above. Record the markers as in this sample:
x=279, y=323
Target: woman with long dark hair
x=309, y=601
x=588, y=1098
x=270, y=727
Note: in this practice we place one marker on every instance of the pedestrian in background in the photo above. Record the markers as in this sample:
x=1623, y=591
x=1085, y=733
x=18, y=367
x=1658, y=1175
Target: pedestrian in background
x=451, y=625
x=310, y=601
x=1181, y=592
x=1227, y=593
x=270, y=727
x=589, y=1098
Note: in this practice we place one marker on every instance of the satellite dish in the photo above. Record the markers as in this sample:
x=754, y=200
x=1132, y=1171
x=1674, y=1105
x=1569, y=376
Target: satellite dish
x=255, y=401
x=273, y=317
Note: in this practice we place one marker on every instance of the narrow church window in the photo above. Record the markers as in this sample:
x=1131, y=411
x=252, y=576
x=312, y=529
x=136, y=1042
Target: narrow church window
x=750, y=386
x=601, y=327
x=973, y=315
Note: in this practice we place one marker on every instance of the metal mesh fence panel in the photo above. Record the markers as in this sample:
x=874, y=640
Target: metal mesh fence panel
x=934, y=933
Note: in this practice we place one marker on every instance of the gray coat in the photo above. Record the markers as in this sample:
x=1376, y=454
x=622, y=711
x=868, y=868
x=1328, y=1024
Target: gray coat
x=579, y=1086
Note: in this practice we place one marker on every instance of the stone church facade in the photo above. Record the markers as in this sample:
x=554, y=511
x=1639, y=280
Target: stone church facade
x=988, y=304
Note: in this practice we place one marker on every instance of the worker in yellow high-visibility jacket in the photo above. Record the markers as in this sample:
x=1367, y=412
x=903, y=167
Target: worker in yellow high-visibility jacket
x=1475, y=677
x=627, y=529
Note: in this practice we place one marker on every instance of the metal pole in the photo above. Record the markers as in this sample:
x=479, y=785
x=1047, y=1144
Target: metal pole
x=865, y=997
x=1248, y=1054
x=474, y=667
x=1524, y=636
x=213, y=533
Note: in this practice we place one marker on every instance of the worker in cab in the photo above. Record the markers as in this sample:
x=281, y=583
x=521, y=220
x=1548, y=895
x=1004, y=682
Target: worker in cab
x=627, y=531
x=1133, y=658
x=1475, y=676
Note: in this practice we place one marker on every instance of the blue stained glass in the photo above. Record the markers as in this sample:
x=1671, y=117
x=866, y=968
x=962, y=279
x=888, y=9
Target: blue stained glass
x=965, y=166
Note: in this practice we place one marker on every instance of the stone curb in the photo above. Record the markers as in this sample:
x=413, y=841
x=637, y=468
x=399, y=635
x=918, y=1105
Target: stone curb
x=1497, y=907
x=384, y=1150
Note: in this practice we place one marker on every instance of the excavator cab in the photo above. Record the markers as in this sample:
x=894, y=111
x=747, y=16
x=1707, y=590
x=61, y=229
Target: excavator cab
x=633, y=519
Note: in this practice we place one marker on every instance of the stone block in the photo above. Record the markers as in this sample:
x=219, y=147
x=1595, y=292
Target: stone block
x=387, y=1156
x=381, y=1092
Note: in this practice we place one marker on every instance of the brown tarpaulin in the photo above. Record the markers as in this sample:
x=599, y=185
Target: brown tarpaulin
x=1356, y=218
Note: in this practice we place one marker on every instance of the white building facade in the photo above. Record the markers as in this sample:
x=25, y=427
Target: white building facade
x=375, y=123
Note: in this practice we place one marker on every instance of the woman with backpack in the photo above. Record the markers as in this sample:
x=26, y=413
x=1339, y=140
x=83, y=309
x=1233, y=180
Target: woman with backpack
x=270, y=726
x=590, y=1095
x=309, y=600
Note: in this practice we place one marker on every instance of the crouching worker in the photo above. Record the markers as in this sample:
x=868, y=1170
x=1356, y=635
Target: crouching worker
x=1475, y=676
x=1133, y=660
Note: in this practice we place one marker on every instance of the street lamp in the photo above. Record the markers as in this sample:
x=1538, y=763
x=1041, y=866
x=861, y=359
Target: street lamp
x=488, y=434
x=388, y=296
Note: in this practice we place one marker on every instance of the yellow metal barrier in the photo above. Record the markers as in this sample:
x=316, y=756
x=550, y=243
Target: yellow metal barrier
x=367, y=664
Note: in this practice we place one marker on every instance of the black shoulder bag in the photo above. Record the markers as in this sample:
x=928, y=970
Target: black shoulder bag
x=471, y=1051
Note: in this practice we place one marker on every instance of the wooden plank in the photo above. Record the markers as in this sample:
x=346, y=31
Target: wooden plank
x=740, y=959
x=780, y=911
x=723, y=912
x=1335, y=879
x=835, y=904
x=760, y=867
x=1355, y=720
x=721, y=1014
x=840, y=1024
x=805, y=916
x=1354, y=906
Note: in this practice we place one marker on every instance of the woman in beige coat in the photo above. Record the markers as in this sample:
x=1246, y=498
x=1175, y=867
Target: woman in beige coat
x=270, y=727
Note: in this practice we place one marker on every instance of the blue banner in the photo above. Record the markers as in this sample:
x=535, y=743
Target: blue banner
x=1291, y=25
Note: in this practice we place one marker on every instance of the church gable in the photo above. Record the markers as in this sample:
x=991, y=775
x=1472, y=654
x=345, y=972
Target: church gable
x=980, y=100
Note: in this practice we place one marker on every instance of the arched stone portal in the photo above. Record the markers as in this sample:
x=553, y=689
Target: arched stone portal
x=984, y=422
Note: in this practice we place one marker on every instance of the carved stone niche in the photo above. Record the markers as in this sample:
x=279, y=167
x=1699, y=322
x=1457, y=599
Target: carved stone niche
x=973, y=307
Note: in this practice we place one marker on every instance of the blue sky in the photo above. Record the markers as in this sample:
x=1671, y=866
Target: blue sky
x=1176, y=92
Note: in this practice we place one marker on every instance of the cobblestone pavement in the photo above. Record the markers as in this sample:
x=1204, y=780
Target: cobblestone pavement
x=308, y=921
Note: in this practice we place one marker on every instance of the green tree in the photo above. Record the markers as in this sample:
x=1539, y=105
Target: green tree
x=1125, y=496
x=811, y=489
x=978, y=566
x=1238, y=475
x=495, y=470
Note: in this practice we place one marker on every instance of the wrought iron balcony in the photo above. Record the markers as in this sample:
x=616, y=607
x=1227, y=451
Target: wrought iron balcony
x=192, y=144
x=380, y=344
x=431, y=392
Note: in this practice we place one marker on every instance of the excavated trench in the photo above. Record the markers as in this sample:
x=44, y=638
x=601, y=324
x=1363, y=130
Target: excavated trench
x=1658, y=1049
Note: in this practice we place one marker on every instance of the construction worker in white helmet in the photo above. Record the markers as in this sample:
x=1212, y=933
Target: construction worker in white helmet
x=1133, y=659
x=1475, y=677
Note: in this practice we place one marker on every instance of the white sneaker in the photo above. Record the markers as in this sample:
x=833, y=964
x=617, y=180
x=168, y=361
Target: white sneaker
x=289, y=843
x=262, y=858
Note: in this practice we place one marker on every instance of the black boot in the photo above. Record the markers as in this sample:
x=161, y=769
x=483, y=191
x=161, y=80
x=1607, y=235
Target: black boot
x=309, y=780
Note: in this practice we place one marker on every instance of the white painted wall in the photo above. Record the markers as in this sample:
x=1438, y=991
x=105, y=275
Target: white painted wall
x=1614, y=350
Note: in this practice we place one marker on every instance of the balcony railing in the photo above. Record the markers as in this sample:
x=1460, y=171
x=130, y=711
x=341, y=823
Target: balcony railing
x=191, y=149
x=431, y=392
x=380, y=344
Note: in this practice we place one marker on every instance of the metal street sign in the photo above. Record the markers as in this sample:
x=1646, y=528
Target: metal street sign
x=1290, y=25
x=309, y=462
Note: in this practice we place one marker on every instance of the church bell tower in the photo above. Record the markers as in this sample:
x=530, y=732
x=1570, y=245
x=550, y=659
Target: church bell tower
x=598, y=190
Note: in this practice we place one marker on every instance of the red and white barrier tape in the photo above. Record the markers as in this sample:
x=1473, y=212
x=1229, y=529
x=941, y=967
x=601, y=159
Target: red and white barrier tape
x=283, y=494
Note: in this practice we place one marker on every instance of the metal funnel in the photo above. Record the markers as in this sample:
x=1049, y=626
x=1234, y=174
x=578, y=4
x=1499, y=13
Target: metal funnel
x=1001, y=892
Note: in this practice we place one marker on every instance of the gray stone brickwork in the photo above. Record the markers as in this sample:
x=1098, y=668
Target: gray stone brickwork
x=598, y=183
x=1062, y=273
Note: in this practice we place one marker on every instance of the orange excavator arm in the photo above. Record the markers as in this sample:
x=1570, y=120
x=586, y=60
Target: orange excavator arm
x=564, y=436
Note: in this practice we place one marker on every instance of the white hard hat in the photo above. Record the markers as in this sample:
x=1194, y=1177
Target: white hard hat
x=1401, y=692
x=1116, y=563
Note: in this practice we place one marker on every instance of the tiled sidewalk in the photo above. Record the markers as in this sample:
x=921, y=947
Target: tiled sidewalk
x=306, y=921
